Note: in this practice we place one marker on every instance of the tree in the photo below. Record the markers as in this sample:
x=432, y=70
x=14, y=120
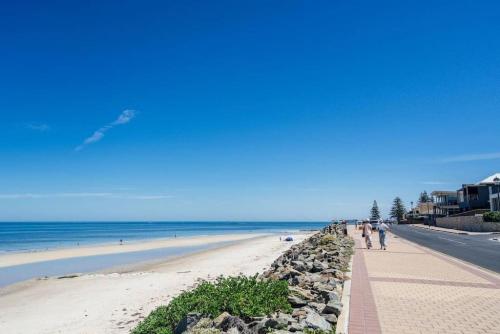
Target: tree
x=424, y=197
x=398, y=209
x=375, y=212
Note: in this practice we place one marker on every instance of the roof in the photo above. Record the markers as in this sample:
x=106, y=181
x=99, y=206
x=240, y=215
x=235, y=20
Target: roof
x=491, y=179
x=448, y=206
x=444, y=192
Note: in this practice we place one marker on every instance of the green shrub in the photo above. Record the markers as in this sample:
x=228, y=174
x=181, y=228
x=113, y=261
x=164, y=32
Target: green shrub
x=240, y=296
x=492, y=216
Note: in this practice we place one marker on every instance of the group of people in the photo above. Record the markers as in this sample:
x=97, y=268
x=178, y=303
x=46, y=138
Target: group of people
x=382, y=234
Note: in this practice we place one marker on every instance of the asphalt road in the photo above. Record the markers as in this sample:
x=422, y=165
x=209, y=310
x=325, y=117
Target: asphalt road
x=476, y=249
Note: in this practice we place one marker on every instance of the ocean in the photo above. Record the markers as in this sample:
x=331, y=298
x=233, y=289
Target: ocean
x=36, y=236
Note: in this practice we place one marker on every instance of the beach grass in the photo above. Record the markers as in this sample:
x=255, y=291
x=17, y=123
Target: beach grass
x=243, y=296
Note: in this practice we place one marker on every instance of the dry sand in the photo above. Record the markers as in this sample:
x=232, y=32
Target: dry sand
x=116, y=302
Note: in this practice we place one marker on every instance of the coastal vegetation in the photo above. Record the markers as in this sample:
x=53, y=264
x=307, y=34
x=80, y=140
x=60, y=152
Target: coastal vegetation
x=241, y=296
x=492, y=216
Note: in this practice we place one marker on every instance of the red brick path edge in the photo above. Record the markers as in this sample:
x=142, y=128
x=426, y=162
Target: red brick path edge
x=363, y=317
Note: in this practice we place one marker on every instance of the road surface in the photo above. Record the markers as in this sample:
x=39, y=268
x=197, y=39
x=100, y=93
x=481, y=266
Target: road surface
x=476, y=249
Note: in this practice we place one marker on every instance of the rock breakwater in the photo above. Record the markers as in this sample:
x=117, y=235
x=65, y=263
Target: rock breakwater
x=315, y=270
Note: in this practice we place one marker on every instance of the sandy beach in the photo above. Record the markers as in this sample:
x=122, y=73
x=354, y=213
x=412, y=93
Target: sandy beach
x=114, y=302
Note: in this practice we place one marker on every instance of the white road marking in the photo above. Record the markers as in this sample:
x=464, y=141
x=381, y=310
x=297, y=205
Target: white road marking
x=458, y=242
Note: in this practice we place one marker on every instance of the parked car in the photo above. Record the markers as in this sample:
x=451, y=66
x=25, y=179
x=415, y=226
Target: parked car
x=375, y=224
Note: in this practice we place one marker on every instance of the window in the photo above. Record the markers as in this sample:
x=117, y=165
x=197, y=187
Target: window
x=473, y=197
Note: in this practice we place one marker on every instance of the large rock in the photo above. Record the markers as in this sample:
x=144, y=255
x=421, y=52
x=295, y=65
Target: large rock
x=205, y=326
x=233, y=322
x=188, y=322
x=221, y=318
x=233, y=330
x=284, y=319
x=318, y=307
x=288, y=273
x=316, y=321
x=301, y=293
x=296, y=327
x=318, y=266
x=329, y=296
x=323, y=286
x=333, y=308
x=331, y=318
x=263, y=326
x=296, y=301
x=299, y=313
x=299, y=265
x=311, y=278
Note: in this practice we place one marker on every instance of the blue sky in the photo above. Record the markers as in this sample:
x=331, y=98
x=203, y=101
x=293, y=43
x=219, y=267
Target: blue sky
x=246, y=110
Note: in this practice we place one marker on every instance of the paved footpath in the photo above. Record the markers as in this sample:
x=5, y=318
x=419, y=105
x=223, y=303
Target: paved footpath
x=411, y=289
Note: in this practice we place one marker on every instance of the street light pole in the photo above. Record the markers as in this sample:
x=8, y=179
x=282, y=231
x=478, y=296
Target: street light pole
x=429, y=213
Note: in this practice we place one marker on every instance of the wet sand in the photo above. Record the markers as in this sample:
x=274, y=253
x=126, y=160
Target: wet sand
x=15, y=259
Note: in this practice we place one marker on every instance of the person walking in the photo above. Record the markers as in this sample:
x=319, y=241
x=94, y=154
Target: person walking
x=382, y=235
x=367, y=234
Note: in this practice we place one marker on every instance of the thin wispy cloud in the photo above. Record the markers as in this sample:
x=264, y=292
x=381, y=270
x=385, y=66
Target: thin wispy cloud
x=150, y=197
x=85, y=195
x=125, y=117
x=472, y=157
x=42, y=127
x=52, y=195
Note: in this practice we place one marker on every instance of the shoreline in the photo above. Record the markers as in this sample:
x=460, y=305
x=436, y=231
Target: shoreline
x=114, y=302
x=34, y=237
x=136, y=241
x=21, y=258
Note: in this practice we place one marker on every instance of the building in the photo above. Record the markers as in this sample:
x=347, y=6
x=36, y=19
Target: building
x=473, y=197
x=425, y=208
x=477, y=196
x=445, y=203
x=495, y=198
x=494, y=190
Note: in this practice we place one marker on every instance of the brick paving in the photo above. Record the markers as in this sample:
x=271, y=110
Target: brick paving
x=411, y=289
x=365, y=318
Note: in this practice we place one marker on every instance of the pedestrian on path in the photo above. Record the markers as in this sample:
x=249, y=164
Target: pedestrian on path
x=382, y=235
x=367, y=234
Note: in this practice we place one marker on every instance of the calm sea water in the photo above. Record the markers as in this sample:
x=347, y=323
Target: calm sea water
x=30, y=236
x=86, y=264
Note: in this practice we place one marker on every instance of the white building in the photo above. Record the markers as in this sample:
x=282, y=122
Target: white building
x=494, y=185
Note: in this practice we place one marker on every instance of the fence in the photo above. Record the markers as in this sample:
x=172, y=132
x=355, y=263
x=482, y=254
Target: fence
x=468, y=223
